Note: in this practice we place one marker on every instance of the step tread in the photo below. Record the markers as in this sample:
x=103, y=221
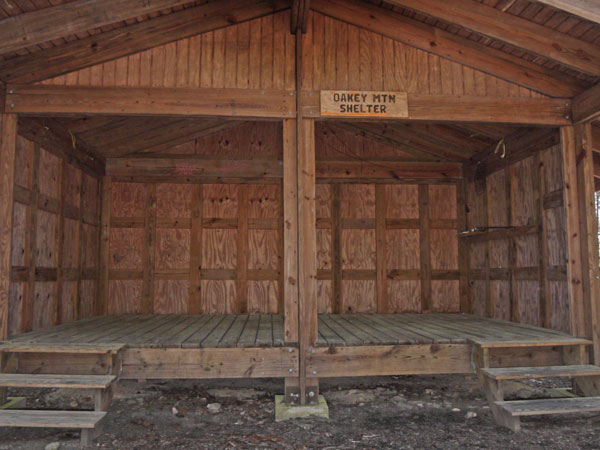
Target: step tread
x=550, y=406
x=516, y=373
x=56, y=381
x=527, y=342
x=38, y=347
x=50, y=419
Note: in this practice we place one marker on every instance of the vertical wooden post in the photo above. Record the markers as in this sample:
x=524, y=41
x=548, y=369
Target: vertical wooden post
x=29, y=295
x=290, y=247
x=574, y=241
x=336, y=248
x=102, y=306
x=307, y=240
x=582, y=233
x=148, y=257
x=59, y=239
x=290, y=230
x=424, y=247
x=196, y=251
x=307, y=252
x=8, y=144
x=380, y=231
x=539, y=186
x=463, y=247
x=242, y=251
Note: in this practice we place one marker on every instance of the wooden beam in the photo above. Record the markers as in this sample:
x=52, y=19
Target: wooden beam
x=586, y=9
x=8, y=144
x=192, y=168
x=50, y=134
x=134, y=38
x=469, y=108
x=299, y=16
x=456, y=48
x=386, y=170
x=511, y=149
x=586, y=106
x=47, y=24
x=157, y=139
x=63, y=100
x=514, y=30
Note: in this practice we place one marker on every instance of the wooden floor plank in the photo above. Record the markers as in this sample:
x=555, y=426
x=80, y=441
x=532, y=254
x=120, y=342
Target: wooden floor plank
x=278, y=331
x=232, y=336
x=264, y=336
x=344, y=331
x=196, y=323
x=213, y=339
x=50, y=419
x=330, y=337
x=248, y=336
x=194, y=340
x=174, y=326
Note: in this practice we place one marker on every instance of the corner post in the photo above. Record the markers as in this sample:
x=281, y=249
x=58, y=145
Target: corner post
x=582, y=233
x=8, y=143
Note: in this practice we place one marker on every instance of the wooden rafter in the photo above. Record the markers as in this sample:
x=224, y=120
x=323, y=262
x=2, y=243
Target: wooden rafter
x=134, y=38
x=586, y=106
x=46, y=24
x=587, y=9
x=450, y=46
x=299, y=16
x=53, y=136
x=513, y=30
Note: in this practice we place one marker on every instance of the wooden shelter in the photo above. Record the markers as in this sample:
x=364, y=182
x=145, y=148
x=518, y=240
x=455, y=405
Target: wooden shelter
x=300, y=190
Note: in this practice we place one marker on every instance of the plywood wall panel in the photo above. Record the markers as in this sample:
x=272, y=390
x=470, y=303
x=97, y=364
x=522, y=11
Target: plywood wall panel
x=219, y=249
x=444, y=249
x=529, y=302
x=125, y=296
x=23, y=161
x=173, y=200
x=220, y=201
x=559, y=301
x=218, y=296
x=263, y=249
x=442, y=202
x=87, y=296
x=323, y=201
x=68, y=299
x=90, y=243
x=358, y=249
x=49, y=174
x=325, y=296
x=555, y=221
x=171, y=296
x=359, y=296
x=402, y=201
x=172, y=248
x=45, y=239
x=358, y=201
x=19, y=231
x=404, y=296
x=324, y=249
x=402, y=249
x=90, y=199
x=527, y=251
x=44, y=301
x=477, y=291
x=263, y=297
x=71, y=242
x=522, y=175
x=72, y=185
x=553, y=172
x=498, y=250
x=263, y=201
x=15, y=308
x=128, y=199
x=444, y=296
x=126, y=248
x=496, y=192
x=500, y=298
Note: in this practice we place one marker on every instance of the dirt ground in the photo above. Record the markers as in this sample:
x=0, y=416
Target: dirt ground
x=409, y=412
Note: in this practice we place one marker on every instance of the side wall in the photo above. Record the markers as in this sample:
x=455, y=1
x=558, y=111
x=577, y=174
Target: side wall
x=520, y=274
x=55, y=241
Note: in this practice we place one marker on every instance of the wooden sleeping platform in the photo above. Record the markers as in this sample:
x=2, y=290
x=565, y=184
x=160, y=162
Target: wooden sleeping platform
x=232, y=346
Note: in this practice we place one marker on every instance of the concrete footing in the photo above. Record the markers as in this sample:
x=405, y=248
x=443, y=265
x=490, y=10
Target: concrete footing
x=285, y=411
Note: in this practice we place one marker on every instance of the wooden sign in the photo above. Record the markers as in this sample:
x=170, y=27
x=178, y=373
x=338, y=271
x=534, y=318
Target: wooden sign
x=364, y=104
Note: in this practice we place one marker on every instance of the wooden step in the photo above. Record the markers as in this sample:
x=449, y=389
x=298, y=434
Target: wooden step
x=56, y=381
x=38, y=347
x=555, y=341
x=520, y=408
x=50, y=419
x=518, y=373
